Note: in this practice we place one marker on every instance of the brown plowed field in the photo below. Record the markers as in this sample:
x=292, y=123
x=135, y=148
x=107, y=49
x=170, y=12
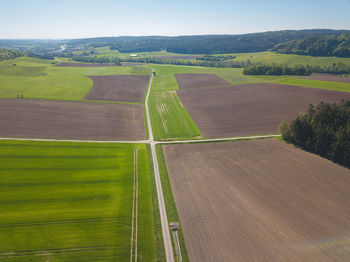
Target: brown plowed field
x=83, y=65
x=125, y=88
x=328, y=77
x=260, y=200
x=70, y=120
x=250, y=109
x=187, y=81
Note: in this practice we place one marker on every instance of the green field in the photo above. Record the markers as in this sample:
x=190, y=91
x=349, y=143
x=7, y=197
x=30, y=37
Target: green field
x=39, y=79
x=328, y=85
x=73, y=202
x=106, y=51
x=270, y=58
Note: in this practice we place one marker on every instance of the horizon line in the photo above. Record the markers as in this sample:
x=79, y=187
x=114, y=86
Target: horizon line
x=213, y=34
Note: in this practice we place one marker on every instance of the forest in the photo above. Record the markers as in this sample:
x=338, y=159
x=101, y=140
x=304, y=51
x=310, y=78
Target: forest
x=207, y=44
x=331, y=45
x=6, y=54
x=275, y=69
x=280, y=69
x=324, y=129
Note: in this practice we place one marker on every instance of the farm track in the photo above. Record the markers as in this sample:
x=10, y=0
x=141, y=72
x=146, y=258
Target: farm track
x=134, y=216
x=146, y=141
x=14, y=254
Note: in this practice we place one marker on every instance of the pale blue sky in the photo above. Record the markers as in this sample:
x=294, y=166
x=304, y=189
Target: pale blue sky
x=86, y=18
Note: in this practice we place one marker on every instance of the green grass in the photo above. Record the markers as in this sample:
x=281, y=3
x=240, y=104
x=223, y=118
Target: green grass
x=328, y=85
x=73, y=202
x=105, y=51
x=270, y=57
x=169, y=118
x=37, y=79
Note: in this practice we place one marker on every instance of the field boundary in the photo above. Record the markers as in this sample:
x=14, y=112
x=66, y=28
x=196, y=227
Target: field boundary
x=144, y=141
x=134, y=216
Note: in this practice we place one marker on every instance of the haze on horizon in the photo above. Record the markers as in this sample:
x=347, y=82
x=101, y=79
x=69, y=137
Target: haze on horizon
x=42, y=19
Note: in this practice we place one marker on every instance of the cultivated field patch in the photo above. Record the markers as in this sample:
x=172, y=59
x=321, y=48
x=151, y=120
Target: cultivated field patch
x=125, y=88
x=328, y=77
x=187, y=81
x=70, y=120
x=251, y=108
x=169, y=117
x=260, y=200
x=73, y=202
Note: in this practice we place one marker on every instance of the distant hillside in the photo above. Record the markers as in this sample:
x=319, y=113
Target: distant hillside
x=6, y=54
x=205, y=44
x=199, y=44
x=317, y=46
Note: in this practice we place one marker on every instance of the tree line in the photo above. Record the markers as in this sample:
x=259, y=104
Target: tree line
x=7, y=54
x=208, y=44
x=280, y=69
x=186, y=62
x=323, y=130
x=98, y=60
x=275, y=69
x=216, y=57
x=331, y=45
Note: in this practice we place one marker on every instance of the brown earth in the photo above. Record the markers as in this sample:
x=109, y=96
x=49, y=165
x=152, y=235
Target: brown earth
x=125, y=88
x=187, y=81
x=260, y=200
x=70, y=120
x=327, y=77
x=250, y=109
x=83, y=65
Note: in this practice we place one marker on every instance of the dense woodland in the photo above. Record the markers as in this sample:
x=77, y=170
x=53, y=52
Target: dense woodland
x=98, y=60
x=260, y=69
x=317, y=46
x=216, y=57
x=280, y=69
x=324, y=130
x=211, y=44
x=323, y=42
x=6, y=54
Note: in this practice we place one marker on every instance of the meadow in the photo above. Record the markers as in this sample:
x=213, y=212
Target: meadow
x=73, y=202
x=271, y=57
x=40, y=79
x=327, y=85
x=106, y=51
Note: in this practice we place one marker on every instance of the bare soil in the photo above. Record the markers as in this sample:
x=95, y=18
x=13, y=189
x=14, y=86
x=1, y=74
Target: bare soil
x=328, y=77
x=70, y=120
x=83, y=65
x=260, y=200
x=250, y=109
x=125, y=88
x=188, y=81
